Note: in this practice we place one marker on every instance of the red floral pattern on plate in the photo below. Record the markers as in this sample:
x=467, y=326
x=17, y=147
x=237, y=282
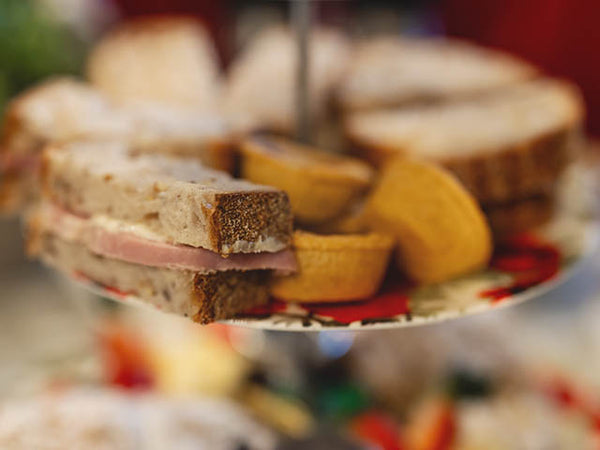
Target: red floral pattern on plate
x=528, y=259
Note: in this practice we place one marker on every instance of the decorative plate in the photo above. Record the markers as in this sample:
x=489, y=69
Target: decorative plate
x=524, y=267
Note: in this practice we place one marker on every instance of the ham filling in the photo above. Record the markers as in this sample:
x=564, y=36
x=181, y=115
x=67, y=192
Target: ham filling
x=129, y=247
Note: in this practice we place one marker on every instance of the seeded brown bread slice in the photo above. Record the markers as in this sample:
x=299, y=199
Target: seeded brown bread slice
x=167, y=59
x=176, y=198
x=388, y=71
x=202, y=297
x=511, y=144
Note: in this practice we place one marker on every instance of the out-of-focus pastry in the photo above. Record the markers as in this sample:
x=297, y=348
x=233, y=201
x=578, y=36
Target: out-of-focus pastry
x=511, y=144
x=441, y=231
x=386, y=72
x=260, y=89
x=335, y=268
x=321, y=186
x=167, y=59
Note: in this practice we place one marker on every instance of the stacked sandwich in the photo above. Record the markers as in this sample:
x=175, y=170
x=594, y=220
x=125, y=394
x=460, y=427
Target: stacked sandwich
x=185, y=238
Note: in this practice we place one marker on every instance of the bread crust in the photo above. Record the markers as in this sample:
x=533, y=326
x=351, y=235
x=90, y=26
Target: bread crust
x=241, y=220
x=528, y=169
x=514, y=172
x=222, y=295
x=519, y=216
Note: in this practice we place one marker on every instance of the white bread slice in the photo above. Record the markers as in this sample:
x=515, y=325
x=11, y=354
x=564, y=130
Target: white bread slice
x=260, y=89
x=390, y=71
x=166, y=59
x=178, y=199
x=508, y=144
x=203, y=298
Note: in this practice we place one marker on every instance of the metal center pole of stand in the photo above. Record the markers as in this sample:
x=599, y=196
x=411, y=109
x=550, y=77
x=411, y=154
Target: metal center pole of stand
x=302, y=17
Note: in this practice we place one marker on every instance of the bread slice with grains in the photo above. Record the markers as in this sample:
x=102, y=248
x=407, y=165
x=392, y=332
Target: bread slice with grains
x=178, y=235
x=177, y=198
x=510, y=144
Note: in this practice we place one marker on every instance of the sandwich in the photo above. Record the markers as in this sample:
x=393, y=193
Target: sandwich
x=65, y=109
x=389, y=72
x=168, y=60
x=505, y=146
x=182, y=237
x=259, y=92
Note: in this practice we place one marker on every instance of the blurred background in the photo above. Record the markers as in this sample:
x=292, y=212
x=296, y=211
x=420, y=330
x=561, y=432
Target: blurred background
x=526, y=378
x=558, y=35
